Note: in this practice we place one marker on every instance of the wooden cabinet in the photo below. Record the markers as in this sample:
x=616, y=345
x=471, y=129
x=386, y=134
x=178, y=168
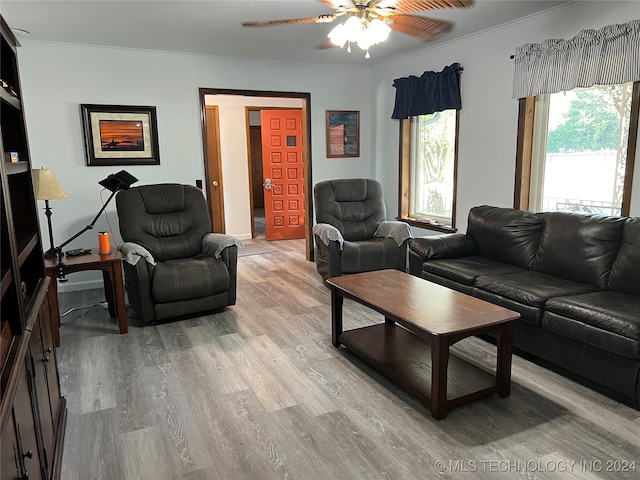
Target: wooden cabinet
x=32, y=411
x=25, y=444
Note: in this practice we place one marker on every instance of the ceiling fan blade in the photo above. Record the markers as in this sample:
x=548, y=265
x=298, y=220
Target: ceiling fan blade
x=426, y=29
x=291, y=21
x=411, y=6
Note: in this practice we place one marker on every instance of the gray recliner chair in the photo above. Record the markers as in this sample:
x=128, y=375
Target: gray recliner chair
x=351, y=233
x=174, y=266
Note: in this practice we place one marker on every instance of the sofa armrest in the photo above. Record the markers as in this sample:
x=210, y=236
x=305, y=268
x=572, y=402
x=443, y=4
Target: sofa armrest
x=214, y=243
x=444, y=246
x=437, y=247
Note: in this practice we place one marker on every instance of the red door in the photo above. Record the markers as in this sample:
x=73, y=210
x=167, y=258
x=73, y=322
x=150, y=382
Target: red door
x=283, y=162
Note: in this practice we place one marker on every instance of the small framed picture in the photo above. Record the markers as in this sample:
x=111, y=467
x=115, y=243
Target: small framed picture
x=120, y=135
x=343, y=133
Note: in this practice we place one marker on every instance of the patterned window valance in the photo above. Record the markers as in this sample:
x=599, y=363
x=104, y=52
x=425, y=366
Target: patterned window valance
x=429, y=93
x=607, y=56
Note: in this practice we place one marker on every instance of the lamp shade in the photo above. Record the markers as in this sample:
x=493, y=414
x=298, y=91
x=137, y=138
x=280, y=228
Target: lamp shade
x=46, y=185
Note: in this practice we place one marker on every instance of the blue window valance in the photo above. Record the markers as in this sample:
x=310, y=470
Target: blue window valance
x=429, y=93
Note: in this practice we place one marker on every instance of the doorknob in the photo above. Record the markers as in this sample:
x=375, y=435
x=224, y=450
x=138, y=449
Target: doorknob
x=214, y=183
x=267, y=184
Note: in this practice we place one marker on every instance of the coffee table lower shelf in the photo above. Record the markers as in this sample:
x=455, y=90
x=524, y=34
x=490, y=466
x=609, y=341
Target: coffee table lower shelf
x=405, y=358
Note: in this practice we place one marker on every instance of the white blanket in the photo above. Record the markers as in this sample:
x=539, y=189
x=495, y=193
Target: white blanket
x=328, y=233
x=132, y=252
x=214, y=243
x=399, y=231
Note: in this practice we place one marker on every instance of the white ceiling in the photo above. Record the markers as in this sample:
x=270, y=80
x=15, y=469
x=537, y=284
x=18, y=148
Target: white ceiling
x=213, y=26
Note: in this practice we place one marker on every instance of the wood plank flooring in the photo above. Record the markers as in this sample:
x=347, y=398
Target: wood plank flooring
x=257, y=391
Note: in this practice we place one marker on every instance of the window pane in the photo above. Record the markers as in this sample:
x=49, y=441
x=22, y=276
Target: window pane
x=586, y=150
x=432, y=165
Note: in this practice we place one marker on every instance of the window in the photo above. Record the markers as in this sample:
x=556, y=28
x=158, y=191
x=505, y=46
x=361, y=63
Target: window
x=580, y=150
x=428, y=170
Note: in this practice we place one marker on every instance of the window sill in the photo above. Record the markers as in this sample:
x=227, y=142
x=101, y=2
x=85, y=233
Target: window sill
x=427, y=225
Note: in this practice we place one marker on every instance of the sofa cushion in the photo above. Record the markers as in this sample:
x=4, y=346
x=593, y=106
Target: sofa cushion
x=625, y=273
x=189, y=278
x=465, y=270
x=375, y=254
x=577, y=247
x=505, y=235
x=529, y=287
x=528, y=313
x=606, y=320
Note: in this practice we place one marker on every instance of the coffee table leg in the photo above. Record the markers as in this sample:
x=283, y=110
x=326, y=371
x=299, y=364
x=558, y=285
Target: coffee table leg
x=439, y=365
x=336, y=316
x=503, y=364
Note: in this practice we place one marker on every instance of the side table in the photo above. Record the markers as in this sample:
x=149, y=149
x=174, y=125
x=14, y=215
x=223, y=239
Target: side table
x=111, y=266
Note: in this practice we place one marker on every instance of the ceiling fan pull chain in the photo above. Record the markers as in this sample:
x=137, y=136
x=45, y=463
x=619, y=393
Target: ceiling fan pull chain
x=367, y=54
x=348, y=46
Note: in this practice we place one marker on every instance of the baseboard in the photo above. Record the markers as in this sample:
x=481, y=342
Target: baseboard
x=77, y=286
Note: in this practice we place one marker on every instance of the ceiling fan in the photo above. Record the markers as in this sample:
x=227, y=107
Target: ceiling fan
x=368, y=22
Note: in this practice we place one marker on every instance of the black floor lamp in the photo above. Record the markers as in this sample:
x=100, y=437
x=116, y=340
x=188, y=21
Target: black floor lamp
x=114, y=183
x=47, y=188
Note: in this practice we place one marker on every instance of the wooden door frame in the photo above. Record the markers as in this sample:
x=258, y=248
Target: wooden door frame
x=306, y=112
x=214, y=136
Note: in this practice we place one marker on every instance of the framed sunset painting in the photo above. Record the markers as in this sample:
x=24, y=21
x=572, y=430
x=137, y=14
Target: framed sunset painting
x=120, y=135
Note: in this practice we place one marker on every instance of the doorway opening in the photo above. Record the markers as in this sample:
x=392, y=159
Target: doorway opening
x=254, y=123
x=230, y=168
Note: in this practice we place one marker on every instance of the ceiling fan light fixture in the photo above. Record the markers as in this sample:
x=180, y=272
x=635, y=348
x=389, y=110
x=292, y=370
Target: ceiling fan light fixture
x=338, y=35
x=369, y=22
x=365, y=40
x=353, y=28
x=378, y=30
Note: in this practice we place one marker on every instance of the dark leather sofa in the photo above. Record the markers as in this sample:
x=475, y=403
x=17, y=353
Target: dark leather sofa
x=574, y=279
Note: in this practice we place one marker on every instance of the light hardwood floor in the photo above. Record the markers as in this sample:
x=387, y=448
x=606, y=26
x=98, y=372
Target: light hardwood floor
x=257, y=391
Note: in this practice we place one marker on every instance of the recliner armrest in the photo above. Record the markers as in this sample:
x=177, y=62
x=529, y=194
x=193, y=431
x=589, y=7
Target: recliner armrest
x=214, y=243
x=444, y=246
x=399, y=231
x=133, y=252
x=328, y=233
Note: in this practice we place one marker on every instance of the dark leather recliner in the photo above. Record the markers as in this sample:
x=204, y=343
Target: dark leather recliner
x=174, y=266
x=351, y=233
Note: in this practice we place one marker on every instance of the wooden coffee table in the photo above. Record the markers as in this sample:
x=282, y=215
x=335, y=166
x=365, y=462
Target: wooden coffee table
x=422, y=320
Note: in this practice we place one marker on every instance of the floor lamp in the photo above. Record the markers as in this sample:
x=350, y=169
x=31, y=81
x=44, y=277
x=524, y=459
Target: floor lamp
x=114, y=183
x=47, y=188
